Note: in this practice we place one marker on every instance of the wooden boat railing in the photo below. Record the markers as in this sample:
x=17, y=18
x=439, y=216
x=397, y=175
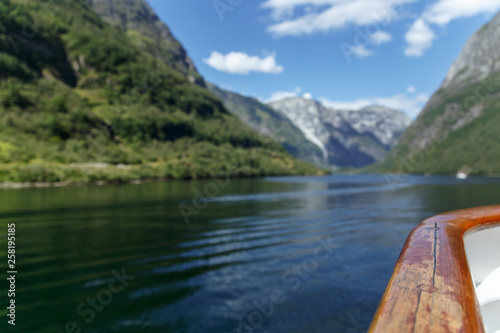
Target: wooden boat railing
x=432, y=289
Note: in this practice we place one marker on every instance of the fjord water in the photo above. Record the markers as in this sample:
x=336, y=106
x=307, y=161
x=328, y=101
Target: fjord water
x=321, y=248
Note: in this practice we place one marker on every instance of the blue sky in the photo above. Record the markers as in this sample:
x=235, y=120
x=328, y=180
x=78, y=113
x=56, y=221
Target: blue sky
x=345, y=53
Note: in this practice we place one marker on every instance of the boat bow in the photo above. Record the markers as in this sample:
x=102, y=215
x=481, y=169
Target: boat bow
x=432, y=288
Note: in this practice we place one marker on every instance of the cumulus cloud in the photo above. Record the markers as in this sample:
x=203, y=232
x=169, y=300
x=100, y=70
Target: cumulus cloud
x=444, y=11
x=381, y=37
x=326, y=15
x=242, y=63
x=361, y=51
x=402, y=102
x=421, y=37
x=307, y=96
x=411, y=89
x=303, y=17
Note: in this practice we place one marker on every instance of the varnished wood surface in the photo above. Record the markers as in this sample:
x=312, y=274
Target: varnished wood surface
x=431, y=289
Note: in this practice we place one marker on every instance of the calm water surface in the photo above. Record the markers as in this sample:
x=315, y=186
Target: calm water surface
x=272, y=255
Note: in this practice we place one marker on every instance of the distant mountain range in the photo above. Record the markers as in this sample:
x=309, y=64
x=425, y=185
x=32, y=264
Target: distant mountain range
x=325, y=137
x=346, y=138
x=458, y=130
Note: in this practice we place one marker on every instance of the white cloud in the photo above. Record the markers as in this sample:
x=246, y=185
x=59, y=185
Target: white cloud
x=279, y=95
x=381, y=37
x=411, y=89
x=326, y=15
x=307, y=96
x=409, y=105
x=242, y=63
x=361, y=51
x=444, y=11
x=420, y=36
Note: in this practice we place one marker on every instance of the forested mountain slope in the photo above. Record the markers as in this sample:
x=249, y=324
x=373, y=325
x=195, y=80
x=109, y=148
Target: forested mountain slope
x=81, y=100
x=459, y=129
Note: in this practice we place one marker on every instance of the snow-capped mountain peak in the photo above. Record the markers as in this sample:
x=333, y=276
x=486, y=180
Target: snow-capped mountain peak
x=347, y=138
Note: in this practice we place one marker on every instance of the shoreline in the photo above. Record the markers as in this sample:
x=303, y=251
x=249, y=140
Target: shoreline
x=14, y=185
x=24, y=185
x=10, y=185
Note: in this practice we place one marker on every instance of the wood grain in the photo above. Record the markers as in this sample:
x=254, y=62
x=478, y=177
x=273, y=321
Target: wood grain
x=431, y=289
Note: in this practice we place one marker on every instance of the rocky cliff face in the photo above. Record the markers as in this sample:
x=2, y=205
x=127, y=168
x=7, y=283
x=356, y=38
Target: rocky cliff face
x=346, y=138
x=479, y=58
x=459, y=127
x=146, y=30
x=306, y=115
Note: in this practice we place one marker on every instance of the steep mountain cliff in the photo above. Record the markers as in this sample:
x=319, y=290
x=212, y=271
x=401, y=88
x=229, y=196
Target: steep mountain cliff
x=80, y=101
x=458, y=130
x=138, y=20
x=270, y=123
x=479, y=58
x=346, y=138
